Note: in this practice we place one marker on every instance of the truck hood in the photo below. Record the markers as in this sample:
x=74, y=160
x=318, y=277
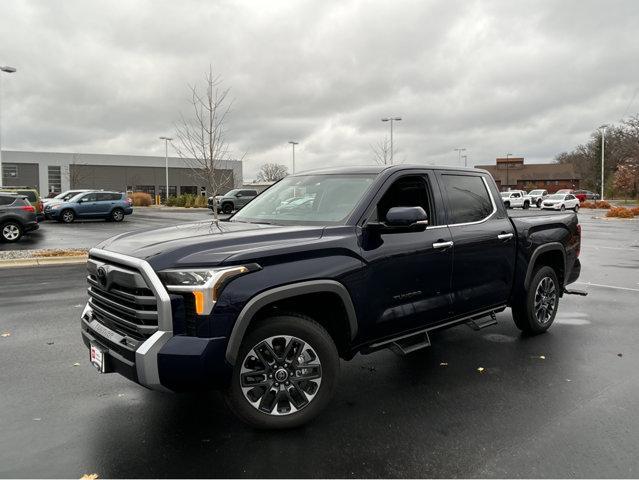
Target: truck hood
x=208, y=243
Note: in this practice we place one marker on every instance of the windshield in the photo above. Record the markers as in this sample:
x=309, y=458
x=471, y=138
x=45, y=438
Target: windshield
x=555, y=197
x=536, y=192
x=505, y=194
x=64, y=196
x=307, y=199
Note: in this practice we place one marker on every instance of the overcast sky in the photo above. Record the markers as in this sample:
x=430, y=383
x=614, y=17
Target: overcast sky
x=528, y=78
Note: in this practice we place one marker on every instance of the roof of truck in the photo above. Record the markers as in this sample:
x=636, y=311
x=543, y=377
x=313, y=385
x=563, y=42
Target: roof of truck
x=377, y=169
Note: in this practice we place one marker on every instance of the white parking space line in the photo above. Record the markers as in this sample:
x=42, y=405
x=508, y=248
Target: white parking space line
x=608, y=286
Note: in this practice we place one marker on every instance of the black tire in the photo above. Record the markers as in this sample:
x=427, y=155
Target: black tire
x=11, y=231
x=563, y=208
x=227, y=208
x=539, y=203
x=526, y=205
x=534, y=312
x=117, y=215
x=317, y=342
x=67, y=216
x=576, y=209
x=507, y=204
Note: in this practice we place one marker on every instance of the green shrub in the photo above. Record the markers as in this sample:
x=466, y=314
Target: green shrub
x=180, y=200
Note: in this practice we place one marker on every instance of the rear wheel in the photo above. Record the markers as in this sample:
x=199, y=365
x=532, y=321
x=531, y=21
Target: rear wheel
x=539, y=203
x=11, y=231
x=67, y=216
x=563, y=207
x=526, y=205
x=285, y=374
x=507, y=204
x=536, y=310
x=117, y=215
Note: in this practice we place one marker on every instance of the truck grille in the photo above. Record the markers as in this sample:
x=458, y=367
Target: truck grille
x=121, y=299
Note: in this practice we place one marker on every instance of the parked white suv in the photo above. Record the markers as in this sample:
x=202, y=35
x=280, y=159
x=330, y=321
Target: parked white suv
x=516, y=198
x=537, y=196
x=560, y=201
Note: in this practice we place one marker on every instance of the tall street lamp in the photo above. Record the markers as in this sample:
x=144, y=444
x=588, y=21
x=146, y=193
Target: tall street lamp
x=507, y=169
x=293, y=145
x=3, y=69
x=391, y=120
x=459, y=151
x=166, y=165
x=603, y=147
x=465, y=157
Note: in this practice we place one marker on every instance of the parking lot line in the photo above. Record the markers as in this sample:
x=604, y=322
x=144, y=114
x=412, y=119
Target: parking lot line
x=607, y=286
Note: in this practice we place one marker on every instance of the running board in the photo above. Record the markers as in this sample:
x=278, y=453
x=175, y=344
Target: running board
x=410, y=344
x=478, y=323
x=575, y=292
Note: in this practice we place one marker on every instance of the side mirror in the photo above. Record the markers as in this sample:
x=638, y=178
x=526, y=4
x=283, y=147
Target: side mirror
x=238, y=195
x=80, y=200
x=402, y=220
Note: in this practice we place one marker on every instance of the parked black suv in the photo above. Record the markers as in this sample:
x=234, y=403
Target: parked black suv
x=17, y=217
x=265, y=305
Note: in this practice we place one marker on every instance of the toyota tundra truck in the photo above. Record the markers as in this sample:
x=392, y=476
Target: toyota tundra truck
x=264, y=306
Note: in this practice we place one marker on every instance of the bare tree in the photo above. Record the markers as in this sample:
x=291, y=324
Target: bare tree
x=272, y=172
x=201, y=138
x=75, y=173
x=382, y=151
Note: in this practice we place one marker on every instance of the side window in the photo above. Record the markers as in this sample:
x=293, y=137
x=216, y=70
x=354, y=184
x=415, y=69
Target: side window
x=248, y=193
x=6, y=200
x=89, y=197
x=409, y=191
x=516, y=195
x=468, y=198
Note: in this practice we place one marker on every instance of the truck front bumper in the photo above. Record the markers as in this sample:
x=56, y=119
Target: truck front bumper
x=182, y=363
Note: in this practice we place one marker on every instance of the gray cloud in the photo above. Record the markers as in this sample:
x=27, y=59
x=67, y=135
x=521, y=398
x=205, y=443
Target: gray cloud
x=530, y=78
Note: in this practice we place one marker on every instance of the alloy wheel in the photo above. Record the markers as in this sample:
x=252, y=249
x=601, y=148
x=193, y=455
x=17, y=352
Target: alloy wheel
x=118, y=215
x=11, y=232
x=281, y=375
x=67, y=217
x=545, y=300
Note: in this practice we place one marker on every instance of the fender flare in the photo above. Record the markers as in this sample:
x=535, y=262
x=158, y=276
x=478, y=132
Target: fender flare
x=280, y=293
x=548, y=247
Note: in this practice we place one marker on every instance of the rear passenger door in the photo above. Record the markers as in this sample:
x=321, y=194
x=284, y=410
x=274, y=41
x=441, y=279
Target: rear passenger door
x=105, y=203
x=484, y=242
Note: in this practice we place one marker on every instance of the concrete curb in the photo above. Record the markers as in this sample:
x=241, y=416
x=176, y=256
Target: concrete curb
x=43, y=261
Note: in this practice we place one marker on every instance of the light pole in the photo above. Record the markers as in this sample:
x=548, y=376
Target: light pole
x=166, y=165
x=391, y=120
x=507, y=169
x=603, y=147
x=465, y=157
x=4, y=69
x=459, y=150
x=293, y=145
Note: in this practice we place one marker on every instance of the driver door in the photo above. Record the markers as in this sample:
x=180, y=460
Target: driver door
x=408, y=275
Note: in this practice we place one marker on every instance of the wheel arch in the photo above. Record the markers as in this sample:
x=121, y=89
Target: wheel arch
x=552, y=254
x=270, y=297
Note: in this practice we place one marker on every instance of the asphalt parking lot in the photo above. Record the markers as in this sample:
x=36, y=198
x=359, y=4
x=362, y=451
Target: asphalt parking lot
x=87, y=233
x=562, y=404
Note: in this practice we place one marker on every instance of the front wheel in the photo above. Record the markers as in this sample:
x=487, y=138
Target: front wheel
x=11, y=232
x=227, y=208
x=535, y=311
x=285, y=374
x=576, y=209
x=67, y=216
x=539, y=203
x=526, y=205
x=563, y=208
x=507, y=204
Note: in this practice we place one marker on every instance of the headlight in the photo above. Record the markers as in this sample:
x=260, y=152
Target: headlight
x=205, y=284
x=55, y=207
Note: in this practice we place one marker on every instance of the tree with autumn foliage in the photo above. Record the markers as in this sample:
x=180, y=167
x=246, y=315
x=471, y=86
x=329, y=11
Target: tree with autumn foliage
x=627, y=177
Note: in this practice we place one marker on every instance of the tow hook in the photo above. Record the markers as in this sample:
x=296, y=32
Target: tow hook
x=575, y=292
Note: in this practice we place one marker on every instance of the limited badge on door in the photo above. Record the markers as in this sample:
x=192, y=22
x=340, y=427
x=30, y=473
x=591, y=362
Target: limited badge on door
x=98, y=358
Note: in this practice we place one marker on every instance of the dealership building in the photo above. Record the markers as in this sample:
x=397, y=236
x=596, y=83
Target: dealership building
x=57, y=172
x=513, y=174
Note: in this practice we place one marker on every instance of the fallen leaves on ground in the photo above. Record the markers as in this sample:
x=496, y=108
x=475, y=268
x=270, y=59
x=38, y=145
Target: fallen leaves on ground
x=76, y=364
x=89, y=476
x=481, y=369
x=5, y=335
x=66, y=252
x=443, y=364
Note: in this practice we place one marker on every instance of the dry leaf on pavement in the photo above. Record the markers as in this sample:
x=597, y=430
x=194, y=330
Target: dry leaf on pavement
x=89, y=476
x=5, y=334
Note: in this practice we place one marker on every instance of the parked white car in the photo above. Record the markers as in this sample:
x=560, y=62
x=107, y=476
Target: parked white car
x=515, y=199
x=537, y=196
x=560, y=201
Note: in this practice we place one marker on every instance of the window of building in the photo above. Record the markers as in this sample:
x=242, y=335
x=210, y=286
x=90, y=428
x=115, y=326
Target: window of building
x=9, y=170
x=188, y=190
x=172, y=191
x=55, y=178
x=468, y=198
x=150, y=189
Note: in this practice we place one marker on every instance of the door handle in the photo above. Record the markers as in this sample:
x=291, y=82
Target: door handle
x=505, y=236
x=439, y=245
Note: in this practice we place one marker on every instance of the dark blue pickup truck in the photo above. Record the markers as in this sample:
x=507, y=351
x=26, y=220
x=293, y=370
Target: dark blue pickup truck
x=266, y=304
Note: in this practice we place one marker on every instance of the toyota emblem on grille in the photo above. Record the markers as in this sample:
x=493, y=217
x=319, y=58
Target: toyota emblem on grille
x=102, y=276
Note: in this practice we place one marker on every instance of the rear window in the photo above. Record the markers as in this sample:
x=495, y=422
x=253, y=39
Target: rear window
x=468, y=198
x=6, y=200
x=30, y=194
